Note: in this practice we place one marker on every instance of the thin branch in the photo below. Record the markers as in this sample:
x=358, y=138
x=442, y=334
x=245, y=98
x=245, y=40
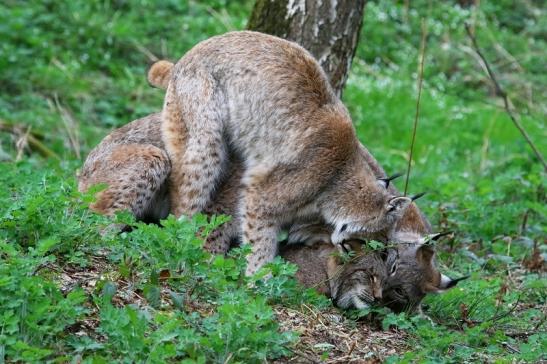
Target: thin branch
x=303, y=355
x=32, y=139
x=501, y=92
x=417, y=114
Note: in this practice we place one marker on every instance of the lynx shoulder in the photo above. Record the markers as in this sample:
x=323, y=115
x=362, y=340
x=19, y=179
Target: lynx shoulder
x=268, y=101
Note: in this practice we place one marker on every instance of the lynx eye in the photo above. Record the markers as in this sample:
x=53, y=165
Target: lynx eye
x=399, y=292
x=374, y=279
x=393, y=269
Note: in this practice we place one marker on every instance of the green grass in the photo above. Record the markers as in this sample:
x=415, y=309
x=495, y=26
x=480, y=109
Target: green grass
x=72, y=71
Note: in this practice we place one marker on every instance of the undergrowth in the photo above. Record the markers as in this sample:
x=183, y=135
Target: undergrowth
x=74, y=289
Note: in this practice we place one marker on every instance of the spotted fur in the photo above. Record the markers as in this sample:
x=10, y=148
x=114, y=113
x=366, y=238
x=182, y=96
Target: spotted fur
x=269, y=102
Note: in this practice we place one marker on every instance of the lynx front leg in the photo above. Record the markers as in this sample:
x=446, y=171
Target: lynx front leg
x=192, y=132
x=271, y=197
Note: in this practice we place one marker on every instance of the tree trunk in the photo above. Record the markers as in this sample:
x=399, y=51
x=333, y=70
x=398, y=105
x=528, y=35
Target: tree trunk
x=328, y=29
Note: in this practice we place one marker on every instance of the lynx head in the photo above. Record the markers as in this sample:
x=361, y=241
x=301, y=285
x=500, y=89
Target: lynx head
x=358, y=283
x=365, y=205
x=416, y=275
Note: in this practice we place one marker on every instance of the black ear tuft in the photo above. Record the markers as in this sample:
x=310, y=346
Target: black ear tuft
x=417, y=196
x=453, y=282
x=437, y=236
x=386, y=180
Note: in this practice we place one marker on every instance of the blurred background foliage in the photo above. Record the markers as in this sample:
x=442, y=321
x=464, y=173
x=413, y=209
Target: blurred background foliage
x=71, y=71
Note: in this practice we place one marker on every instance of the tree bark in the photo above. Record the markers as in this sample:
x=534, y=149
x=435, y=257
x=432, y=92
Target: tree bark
x=328, y=29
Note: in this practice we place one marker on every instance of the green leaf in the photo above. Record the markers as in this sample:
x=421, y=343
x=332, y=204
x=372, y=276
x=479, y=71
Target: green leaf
x=108, y=291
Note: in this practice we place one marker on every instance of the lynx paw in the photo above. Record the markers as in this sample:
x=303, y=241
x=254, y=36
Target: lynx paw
x=359, y=303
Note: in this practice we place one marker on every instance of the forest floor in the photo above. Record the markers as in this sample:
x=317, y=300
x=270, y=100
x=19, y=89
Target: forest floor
x=73, y=290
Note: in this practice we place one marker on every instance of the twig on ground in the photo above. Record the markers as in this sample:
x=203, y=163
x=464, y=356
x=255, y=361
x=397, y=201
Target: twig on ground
x=70, y=125
x=353, y=344
x=302, y=355
x=32, y=139
x=145, y=51
x=417, y=114
x=22, y=144
x=501, y=93
x=510, y=347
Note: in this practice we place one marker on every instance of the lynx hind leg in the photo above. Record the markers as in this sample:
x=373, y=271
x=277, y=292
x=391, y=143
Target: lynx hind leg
x=136, y=176
x=218, y=241
x=309, y=234
x=259, y=230
x=226, y=202
x=192, y=132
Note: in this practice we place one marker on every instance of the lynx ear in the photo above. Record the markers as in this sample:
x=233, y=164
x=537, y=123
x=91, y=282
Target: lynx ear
x=398, y=204
x=348, y=246
x=391, y=258
x=425, y=254
x=445, y=283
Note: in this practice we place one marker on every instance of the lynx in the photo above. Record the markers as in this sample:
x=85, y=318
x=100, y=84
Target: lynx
x=133, y=163
x=268, y=101
x=413, y=220
x=127, y=175
x=417, y=274
x=403, y=276
x=355, y=284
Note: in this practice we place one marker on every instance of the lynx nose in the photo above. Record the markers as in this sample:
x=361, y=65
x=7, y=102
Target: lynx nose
x=377, y=293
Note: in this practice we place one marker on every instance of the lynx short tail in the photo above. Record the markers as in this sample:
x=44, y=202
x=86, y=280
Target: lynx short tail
x=159, y=74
